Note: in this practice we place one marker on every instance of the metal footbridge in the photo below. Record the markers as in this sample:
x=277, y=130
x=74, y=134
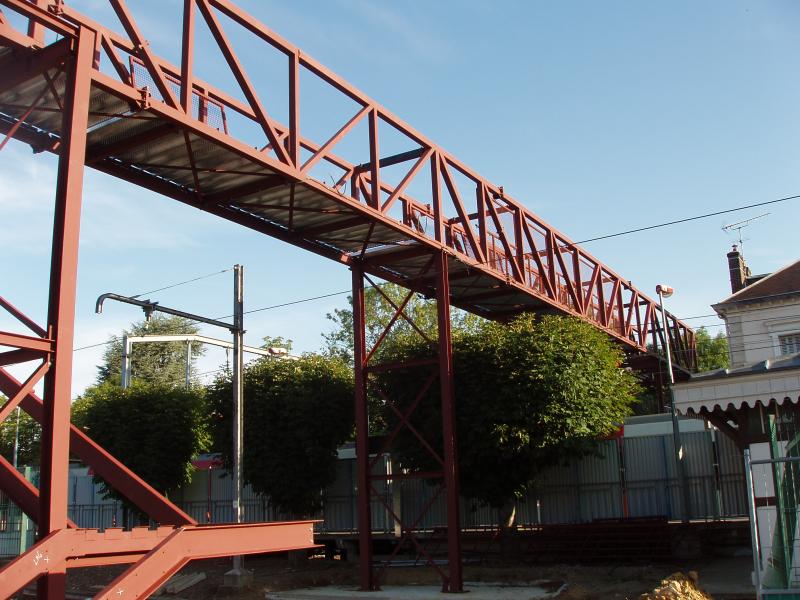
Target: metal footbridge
x=418, y=217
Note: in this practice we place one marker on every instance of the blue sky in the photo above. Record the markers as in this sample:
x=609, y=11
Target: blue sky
x=600, y=117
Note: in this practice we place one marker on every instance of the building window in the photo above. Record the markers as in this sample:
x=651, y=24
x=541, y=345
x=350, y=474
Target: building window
x=790, y=344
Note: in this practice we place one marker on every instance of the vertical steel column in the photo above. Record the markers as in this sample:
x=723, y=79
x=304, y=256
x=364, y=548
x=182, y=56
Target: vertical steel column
x=362, y=434
x=188, y=364
x=238, y=404
x=61, y=307
x=125, y=369
x=450, y=476
x=753, y=514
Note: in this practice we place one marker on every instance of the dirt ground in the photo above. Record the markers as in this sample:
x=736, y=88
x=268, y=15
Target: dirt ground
x=276, y=573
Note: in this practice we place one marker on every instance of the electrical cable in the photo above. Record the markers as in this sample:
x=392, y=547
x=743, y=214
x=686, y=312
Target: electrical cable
x=322, y=296
x=174, y=285
x=686, y=220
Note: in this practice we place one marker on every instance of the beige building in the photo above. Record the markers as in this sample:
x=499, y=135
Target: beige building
x=755, y=402
x=762, y=318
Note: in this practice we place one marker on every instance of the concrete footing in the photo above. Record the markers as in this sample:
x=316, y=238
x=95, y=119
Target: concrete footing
x=236, y=579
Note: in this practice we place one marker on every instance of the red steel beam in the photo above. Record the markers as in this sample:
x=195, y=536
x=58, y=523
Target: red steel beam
x=244, y=81
x=22, y=318
x=51, y=555
x=122, y=479
x=187, y=56
x=366, y=580
x=24, y=390
x=143, y=47
x=21, y=491
x=377, y=114
x=61, y=308
x=454, y=581
x=192, y=543
x=15, y=357
x=26, y=342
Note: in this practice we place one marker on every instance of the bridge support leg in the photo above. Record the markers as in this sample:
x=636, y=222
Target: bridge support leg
x=61, y=307
x=442, y=367
x=362, y=435
x=455, y=578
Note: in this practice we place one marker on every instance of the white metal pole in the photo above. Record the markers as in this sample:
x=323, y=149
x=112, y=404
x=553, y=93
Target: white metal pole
x=751, y=506
x=125, y=370
x=188, y=364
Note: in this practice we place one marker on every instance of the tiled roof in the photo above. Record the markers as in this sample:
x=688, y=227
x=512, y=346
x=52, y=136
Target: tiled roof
x=785, y=281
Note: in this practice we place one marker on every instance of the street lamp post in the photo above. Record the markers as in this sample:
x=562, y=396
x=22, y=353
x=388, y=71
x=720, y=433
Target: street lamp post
x=665, y=291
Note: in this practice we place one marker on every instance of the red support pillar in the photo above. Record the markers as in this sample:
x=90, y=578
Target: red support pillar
x=455, y=578
x=61, y=308
x=362, y=435
x=452, y=579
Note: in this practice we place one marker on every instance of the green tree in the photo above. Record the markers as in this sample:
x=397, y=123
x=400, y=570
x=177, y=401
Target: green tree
x=30, y=432
x=379, y=312
x=296, y=415
x=712, y=352
x=154, y=429
x=161, y=362
x=529, y=394
x=277, y=341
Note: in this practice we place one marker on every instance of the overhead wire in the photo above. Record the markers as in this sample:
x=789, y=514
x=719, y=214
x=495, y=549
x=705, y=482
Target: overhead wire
x=342, y=292
x=687, y=219
x=174, y=285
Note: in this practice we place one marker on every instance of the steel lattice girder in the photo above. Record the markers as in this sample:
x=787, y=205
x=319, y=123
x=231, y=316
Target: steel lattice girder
x=515, y=261
x=495, y=257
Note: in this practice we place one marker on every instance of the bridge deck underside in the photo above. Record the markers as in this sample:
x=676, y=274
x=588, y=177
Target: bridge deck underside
x=134, y=142
x=151, y=151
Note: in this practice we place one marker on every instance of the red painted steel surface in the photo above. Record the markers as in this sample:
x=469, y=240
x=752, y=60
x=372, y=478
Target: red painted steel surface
x=209, y=541
x=104, y=465
x=106, y=100
x=440, y=366
x=156, y=553
x=511, y=259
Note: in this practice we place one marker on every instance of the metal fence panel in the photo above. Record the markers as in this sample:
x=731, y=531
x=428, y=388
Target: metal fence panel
x=733, y=496
x=586, y=490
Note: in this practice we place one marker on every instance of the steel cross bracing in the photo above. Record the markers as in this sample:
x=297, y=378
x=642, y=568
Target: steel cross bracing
x=155, y=124
x=367, y=362
x=74, y=87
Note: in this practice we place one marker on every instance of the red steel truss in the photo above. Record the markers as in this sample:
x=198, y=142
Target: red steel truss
x=74, y=87
x=441, y=369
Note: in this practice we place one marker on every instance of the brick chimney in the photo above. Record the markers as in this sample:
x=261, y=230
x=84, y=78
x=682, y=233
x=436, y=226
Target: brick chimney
x=739, y=270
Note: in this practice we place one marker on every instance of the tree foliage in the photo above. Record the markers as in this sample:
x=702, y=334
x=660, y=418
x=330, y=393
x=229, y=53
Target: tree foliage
x=296, y=414
x=30, y=432
x=379, y=310
x=161, y=362
x=712, y=352
x=529, y=395
x=277, y=341
x=154, y=429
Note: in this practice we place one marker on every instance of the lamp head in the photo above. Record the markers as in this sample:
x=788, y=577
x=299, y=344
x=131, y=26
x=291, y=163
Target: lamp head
x=664, y=290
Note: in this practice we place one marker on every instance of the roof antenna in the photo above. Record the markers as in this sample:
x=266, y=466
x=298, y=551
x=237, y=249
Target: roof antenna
x=741, y=225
